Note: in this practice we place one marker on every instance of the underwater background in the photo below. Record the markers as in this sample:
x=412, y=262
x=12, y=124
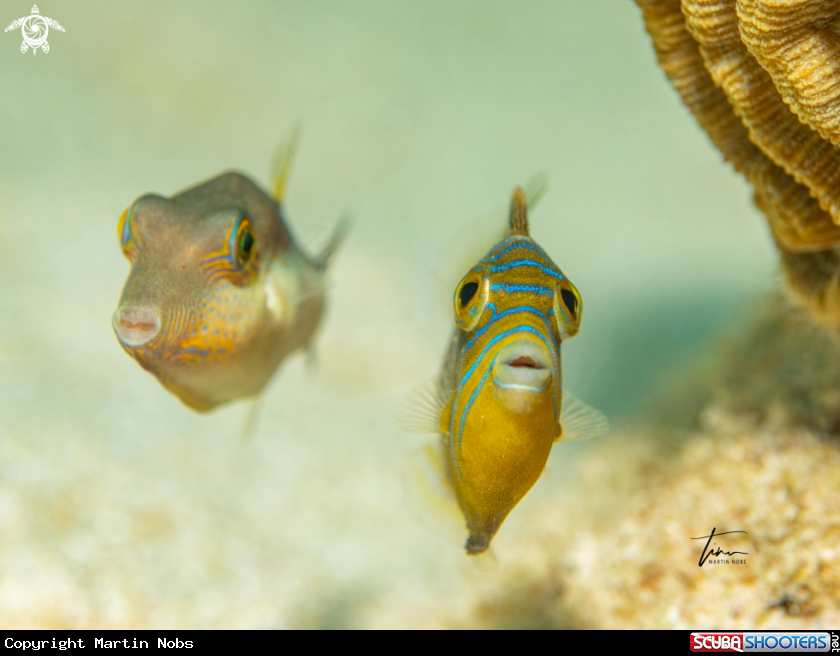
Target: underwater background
x=122, y=508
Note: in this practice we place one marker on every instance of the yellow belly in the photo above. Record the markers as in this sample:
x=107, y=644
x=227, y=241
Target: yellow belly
x=501, y=455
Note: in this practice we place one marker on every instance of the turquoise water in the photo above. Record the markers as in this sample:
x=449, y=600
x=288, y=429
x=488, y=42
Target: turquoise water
x=121, y=507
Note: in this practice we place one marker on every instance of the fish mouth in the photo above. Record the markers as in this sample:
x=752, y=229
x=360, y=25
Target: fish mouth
x=135, y=328
x=523, y=365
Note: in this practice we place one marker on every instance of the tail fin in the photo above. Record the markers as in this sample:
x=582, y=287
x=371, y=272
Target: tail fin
x=322, y=260
x=282, y=163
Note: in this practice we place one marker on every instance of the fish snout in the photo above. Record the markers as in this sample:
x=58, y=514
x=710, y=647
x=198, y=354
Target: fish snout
x=523, y=365
x=135, y=327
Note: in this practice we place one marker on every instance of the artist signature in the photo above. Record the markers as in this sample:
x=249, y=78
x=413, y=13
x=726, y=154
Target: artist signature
x=716, y=552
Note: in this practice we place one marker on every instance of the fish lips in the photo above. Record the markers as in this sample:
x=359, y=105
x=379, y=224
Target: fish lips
x=135, y=328
x=523, y=365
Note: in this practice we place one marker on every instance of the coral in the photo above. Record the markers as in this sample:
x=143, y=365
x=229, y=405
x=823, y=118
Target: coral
x=761, y=77
x=797, y=44
x=770, y=124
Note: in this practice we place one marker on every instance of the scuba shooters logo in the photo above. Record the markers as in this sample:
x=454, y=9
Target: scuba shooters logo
x=35, y=29
x=798, y=641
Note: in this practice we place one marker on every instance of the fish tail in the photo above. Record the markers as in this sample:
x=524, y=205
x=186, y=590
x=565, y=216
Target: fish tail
x=481, y=533
x=519, y=213
x=282, y=164
x=477, y=544
x=322, y=260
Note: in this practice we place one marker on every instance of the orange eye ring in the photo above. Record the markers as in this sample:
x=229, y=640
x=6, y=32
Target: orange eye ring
x=125, y=234
x=122, y=224
x=568, y=308
x=243, y=242
x=471, y=297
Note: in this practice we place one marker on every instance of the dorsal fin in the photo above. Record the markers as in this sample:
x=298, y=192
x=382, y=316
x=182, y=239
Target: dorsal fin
x=282, y=164
x=535, y=189
x=519, y=213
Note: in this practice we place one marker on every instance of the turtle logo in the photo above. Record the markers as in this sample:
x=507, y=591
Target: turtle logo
x=35, y=29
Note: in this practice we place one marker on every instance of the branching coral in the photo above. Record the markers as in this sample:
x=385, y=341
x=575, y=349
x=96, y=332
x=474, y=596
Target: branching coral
x=762, y=77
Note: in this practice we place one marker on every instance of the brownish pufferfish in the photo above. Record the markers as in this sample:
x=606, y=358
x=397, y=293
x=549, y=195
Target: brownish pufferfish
x=219, y=292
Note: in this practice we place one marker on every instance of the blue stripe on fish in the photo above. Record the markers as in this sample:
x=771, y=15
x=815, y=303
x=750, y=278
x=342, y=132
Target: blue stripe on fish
x=194, y=350
x=127, y=227
x=233, y=234
x=519, y=263
x=523, y=308
x=463, y=418
x=518, y=244
x=226, y=258
x=513, y=289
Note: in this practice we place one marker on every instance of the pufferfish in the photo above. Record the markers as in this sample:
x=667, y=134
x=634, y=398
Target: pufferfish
x=219, y=293
x=499, y=402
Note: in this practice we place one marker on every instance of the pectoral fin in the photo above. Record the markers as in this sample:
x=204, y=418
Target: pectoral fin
x=250, y=428
x=422, y=410
x=579, y=421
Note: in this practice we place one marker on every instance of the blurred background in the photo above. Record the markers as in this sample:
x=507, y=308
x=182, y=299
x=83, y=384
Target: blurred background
x=119, y=506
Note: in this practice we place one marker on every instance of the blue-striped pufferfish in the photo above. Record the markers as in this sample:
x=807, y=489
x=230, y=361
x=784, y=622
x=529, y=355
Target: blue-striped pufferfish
x=498, y=402
x=219, y=292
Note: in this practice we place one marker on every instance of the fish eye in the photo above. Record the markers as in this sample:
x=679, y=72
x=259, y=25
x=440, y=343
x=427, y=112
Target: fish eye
x=245, y=242
x=570, y=301
x=470, y=299
x=467, y=292
x=568, y=309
